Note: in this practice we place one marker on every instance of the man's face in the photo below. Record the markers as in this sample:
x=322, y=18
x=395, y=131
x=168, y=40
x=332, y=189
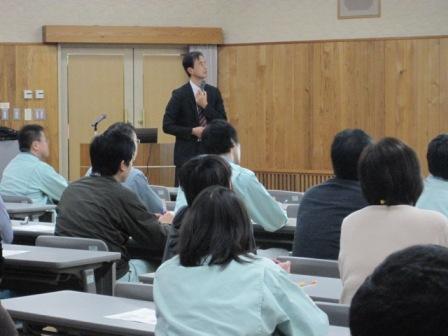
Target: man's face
x=41, y=146
x=199, y=69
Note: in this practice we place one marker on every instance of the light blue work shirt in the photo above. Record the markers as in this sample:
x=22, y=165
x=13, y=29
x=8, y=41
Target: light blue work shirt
x=26, y=175
x=434, y=195
x=263, y=209
x=139, y=184
x=254, y=298
x=6, y=232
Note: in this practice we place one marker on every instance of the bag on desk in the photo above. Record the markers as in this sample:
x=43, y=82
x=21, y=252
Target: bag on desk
x=7, y=133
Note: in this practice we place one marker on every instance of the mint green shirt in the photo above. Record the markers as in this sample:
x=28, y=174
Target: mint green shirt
x=263, y=209
x=249, y=299
x=27, y=175
x=434, y=195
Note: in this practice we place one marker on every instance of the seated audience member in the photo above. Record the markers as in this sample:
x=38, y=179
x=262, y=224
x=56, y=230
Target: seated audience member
x=99, y=207
x=406, y=295
x=389, y=173
x=435, y=191
x=217, y=286
x=7, y=327
x=137, y=181
x=220, y=138
x=27, y=174
x=6, y=233
x=323, y=207
x=195, y=175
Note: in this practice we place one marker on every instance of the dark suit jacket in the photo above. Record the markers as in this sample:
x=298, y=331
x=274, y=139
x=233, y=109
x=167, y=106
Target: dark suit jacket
x=181, y=115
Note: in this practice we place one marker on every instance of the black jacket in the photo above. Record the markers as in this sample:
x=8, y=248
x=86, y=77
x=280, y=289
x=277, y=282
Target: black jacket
x=181, y=116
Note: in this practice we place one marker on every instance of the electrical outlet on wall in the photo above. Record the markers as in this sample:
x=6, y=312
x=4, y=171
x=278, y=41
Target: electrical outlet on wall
x=16, y=113
x=27, y=94
x=39, y=94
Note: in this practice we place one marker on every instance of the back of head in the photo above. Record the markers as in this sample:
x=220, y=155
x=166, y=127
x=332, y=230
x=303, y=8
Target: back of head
x=346, y=150
x=108, y=150
x=27, y=135
x=188, y=60
x=219, y=137
x=406, y=295
x=437, y=156
x=389, y=173
x=215, y=230
x=201, y=172
x=121, y=127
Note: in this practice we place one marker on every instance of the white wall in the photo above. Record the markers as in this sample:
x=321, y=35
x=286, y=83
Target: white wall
x=243, y=21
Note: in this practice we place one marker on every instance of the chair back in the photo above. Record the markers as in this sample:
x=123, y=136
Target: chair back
x=133, y=290
x=72, y=243
x=311, y=266
x=162, y=192
x=292, y=210
x=338, y=314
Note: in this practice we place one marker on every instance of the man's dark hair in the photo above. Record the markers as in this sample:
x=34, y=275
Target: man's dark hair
x=107, y=151
x=189, y=58
x=201, y=172
x=407, y=294
x=125, y=128
x=219, y=137
x=345, y=151
x=27, y=135
x=437, y=156
x=389, y=173
x=215, y=230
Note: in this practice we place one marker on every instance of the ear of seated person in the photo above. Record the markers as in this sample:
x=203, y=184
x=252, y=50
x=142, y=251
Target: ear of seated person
x=99, y=207
x=323, y=207
x=390, y=179
x=220, y=138
x=407, y=294
x=27, y=174
x=216, y=285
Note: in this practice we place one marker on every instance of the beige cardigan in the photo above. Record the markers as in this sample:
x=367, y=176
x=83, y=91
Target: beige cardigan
x=369, y=235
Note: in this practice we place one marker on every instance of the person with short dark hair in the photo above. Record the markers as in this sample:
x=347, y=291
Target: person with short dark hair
x=218, y=286
x=99, y=207
x=136, y=180
x=221, y=138
x=195, y=175
x=323, y=207
x=435, y=192
x=406, y=295
x=190, y=109
x=389, y=173
x=27, y=174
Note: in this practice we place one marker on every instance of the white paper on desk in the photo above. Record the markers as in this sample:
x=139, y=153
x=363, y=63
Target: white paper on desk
x=143, y=315
x=8, y=253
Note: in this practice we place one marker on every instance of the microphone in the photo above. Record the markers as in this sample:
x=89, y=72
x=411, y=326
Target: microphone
x=202, y=85
x=99, y=119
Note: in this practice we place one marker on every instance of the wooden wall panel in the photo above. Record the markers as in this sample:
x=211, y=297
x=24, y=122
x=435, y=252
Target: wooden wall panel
x=288, y=100
x=31, y=67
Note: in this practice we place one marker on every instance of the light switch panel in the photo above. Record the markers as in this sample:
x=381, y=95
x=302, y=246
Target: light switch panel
x=39, y=94
x=27, y=94
x=28, y=114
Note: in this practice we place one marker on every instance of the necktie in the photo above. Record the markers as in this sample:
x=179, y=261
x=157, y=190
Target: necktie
x=202, y=120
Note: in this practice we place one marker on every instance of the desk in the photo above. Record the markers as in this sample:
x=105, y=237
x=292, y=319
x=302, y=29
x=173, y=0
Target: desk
x=79, y=311
x=26, y=234
x=86, y=313
x=282, y=238
x=325, y=290
x=43, y=266
x=28, y=209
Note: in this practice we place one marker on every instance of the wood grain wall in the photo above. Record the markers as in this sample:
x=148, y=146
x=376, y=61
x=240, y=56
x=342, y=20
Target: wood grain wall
x=31, y=67
x=288, y=100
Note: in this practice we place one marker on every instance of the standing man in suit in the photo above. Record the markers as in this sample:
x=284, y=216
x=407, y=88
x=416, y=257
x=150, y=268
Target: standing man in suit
x=190, y=108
